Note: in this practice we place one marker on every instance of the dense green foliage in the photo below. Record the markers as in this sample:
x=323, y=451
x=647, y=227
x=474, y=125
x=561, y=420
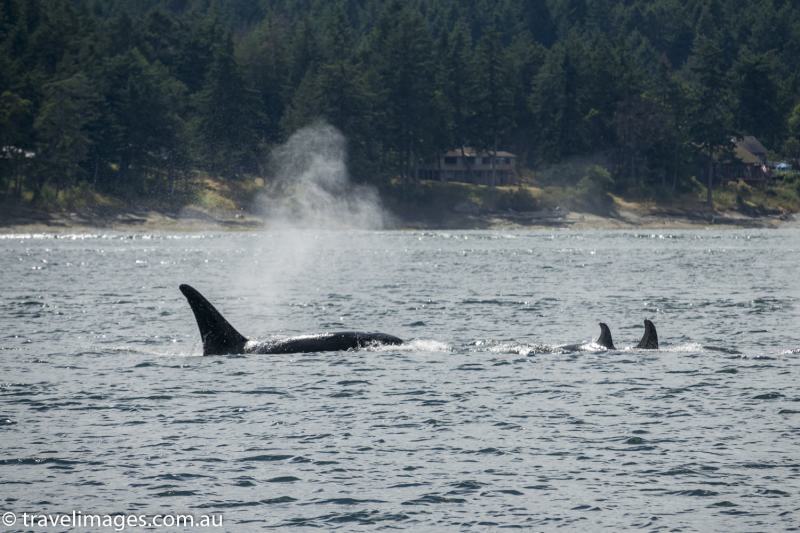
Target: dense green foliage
x=133, y=95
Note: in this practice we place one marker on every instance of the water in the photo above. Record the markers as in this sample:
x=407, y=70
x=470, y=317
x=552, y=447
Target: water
x=477, y=423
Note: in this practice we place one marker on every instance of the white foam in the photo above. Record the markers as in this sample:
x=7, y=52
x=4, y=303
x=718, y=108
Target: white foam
x=686, y=347
x=592, y=347
x=416, y=345
x=516, y=348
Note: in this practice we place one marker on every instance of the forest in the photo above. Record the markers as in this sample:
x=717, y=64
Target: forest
x=136, y=96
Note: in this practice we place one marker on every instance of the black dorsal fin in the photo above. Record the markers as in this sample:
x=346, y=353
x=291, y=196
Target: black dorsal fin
x=219, y=337
x=605, y=337
x=650, y=338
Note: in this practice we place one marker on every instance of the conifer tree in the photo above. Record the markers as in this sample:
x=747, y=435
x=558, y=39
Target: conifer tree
x=225, y=122
x=711, y=123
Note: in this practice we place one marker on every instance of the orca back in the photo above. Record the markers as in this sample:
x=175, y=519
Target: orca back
x=324, y=342
x=219, y=337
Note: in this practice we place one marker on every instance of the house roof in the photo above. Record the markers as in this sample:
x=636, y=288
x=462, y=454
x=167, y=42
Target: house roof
x=472, y=152
x=745, y=155
x=749, y=150
x=752, y=145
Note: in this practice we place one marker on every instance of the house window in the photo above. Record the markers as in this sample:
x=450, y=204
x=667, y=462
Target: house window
x=487, y=160
x=450, y=160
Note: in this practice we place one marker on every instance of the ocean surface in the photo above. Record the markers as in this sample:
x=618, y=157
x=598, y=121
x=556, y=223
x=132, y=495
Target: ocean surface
x=479, y=422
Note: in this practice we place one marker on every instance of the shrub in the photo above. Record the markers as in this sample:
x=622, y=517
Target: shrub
x=520, y=199
x=743, y=191
x=594, y=188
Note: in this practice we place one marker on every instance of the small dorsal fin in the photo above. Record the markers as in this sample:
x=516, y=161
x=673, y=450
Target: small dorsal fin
x=219, y=337
x=605, y=337
x=650, y=338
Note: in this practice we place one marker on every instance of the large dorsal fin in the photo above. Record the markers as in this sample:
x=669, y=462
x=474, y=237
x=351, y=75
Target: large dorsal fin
x=219, y=337
x=605, y=337
x=650, y=338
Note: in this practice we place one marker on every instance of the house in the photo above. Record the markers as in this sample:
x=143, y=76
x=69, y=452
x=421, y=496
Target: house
x=14, y=152
x=747, y=162
x=472, y=166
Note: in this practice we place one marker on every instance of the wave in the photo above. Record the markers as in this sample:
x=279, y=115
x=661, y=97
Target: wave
x=532, y=349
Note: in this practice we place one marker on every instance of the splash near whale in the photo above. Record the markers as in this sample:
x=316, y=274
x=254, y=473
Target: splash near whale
x=220, y=338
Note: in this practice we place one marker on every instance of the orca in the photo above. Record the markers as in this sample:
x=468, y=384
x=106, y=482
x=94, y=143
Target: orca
x=604, y=340
x=220, y=338
x=605, y=337
x=650, y=338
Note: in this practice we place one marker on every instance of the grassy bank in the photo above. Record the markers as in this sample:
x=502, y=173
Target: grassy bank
x=206, y=201
x=200, y=200
x=454, y=204
x=200, y=191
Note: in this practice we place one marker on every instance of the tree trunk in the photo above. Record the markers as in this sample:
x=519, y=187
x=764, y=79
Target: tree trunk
x=96, y=171
x=494, y=157
x=171, y=179
x=674, y=170
x=468, y=170
x=38, y=185
x=710, y=180
x=18, y=185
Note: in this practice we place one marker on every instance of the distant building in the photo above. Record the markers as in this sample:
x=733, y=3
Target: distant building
x=14, y=152
x=748, y=162
x=472, y=166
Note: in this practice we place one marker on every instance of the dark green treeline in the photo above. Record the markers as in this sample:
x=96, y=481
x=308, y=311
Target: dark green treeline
x=133, y=95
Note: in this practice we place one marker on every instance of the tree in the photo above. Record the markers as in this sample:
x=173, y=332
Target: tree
x=142, y=131
x=454, y=80
x=265, y=63
x=525, y=58
x=569, y=15
x=491, y=94
x=554, y=103
x=401, y=50
x=711, y=126
x=758, y=101
x=793, y=121
x=645, y=135
x=16, y=139
x=226, y=113
x=61, y=130
x=207, y=85
x=337, y=92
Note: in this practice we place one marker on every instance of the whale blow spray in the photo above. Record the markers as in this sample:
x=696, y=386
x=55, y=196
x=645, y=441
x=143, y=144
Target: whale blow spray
x=311, y=211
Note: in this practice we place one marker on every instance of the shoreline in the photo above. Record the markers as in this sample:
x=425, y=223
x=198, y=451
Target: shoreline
x=194, y=220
